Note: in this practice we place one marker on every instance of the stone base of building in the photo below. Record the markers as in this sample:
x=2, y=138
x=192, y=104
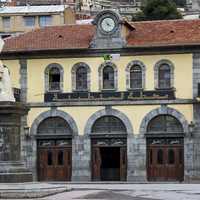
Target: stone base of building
x=12, y=140
x=13, y=172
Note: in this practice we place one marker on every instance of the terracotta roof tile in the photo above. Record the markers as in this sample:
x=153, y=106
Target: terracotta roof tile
x=167, y=32
x=150, y=33
x=55, y=37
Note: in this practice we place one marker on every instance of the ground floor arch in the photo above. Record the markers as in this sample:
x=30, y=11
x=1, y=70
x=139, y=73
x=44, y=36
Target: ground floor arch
x=164, y=130
x=108, y=131
x=54, y=131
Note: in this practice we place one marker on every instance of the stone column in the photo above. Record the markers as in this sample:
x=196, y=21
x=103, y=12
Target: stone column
x=81, y=156
x=136, y=154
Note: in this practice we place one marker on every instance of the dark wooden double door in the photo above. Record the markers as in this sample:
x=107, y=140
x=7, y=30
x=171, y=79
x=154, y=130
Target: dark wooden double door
x=54, y=160
x=165, y=160
x=109, y=163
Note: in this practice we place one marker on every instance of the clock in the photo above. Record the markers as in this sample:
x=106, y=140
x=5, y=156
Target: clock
x=108, y=24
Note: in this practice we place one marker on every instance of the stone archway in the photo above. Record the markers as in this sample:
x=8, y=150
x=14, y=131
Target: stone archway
x=106, y=141
x=163, y=110
x=54, y=113
x=164, y=130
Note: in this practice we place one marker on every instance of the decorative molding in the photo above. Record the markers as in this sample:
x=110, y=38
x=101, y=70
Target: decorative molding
x=73, y=72
x=164, y=110
x=156, y=68
x=46, y=74
x=110, y=112
x=54, y=113
x=128, y=67
x=100, y=70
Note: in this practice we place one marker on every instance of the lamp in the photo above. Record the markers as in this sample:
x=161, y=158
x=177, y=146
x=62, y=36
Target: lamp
x=27, y=132
x=191, y=127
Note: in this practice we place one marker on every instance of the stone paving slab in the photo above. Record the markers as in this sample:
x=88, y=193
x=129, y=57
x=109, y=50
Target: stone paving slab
x=30, y=190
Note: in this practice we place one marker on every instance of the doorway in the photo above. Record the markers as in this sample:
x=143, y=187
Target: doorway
x=110, y=163
x=165, y=161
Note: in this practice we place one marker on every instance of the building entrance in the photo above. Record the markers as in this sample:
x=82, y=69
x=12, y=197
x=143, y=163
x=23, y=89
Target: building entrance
x=110, y=163
x=165, y=149
x=54, y=150
x=109, y=149
x=165, y=159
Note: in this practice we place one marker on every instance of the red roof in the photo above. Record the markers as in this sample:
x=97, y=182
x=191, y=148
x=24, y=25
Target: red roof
x=149, y=33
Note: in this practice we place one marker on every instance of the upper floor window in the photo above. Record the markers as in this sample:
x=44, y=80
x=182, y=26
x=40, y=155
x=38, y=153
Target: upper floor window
x=53, y=77
x=164, y=74
x=6, y=22
x=80, y=77
x=29, y=21
x=108, y=78
x=135, y=77
x=45, y=20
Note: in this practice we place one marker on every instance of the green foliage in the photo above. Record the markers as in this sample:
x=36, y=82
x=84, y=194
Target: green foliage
x=158, y=10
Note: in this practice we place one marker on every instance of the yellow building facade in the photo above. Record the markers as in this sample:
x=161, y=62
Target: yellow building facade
x=107, y=100
x=19, y=19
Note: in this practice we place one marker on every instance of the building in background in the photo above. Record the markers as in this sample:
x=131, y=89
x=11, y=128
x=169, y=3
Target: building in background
x=15, y=20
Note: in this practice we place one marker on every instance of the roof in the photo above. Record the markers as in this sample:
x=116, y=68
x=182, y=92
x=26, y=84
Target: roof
x=31, y=9
x=145, y=34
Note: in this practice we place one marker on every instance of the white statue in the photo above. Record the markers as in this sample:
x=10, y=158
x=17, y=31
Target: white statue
x=6, y=93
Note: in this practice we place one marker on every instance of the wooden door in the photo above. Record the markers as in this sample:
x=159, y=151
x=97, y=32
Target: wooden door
x=54, y=162
x=62, y=164
x=46, y=164
x=96, y=164
x=123, y=163
x=165, y=162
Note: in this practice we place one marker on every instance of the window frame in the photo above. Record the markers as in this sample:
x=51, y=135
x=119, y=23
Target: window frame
x=44, y=17
x=101, y=76
x=3, y=22
x=74, y=77
x=46, y=74
x=128, y=74
x=156, y=74
x=25, y=22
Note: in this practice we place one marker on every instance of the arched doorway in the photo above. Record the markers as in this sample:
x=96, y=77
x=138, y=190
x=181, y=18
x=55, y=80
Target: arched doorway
x=109, y=149
x=54, y=150
x=165, y=149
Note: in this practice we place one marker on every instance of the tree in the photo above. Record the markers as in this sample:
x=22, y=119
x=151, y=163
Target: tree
x=158, y=10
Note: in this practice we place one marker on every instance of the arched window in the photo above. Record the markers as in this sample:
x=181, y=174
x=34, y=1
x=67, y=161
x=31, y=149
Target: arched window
x=164, y=124
x=164, y=76
x=54, y=125
x=81, y=78
x=135, y=77
x=108, y=77
x=108, y=124
x=53, y=78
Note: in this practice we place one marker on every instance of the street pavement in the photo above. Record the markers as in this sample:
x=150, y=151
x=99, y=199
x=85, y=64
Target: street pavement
x=105, y=191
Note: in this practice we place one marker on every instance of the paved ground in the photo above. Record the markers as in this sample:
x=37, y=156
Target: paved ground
x=108, y=191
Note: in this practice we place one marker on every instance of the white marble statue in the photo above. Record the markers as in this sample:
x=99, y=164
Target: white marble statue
x=6, y=93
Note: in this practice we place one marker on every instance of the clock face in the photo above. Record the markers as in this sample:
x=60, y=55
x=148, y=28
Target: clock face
x=108, y=24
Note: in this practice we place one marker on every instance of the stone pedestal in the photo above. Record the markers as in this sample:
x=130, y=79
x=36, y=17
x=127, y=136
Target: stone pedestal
x=12, y=162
